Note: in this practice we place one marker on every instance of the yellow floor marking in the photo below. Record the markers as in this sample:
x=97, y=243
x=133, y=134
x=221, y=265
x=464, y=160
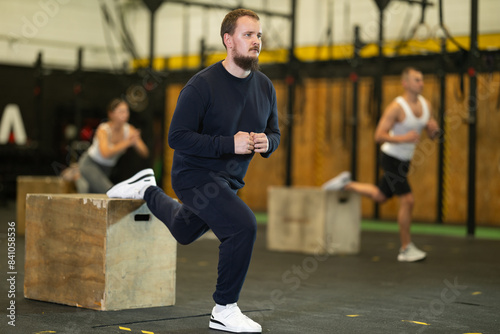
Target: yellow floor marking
x=476, y=293
x=417, y=322
x=45, y=332
x=353, y=315
x=146, y=332
x=391, y=245
x=124, y=328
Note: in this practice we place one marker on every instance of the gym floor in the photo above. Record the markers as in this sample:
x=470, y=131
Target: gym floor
x=455, y=290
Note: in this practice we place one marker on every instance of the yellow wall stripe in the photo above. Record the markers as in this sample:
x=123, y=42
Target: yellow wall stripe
x=322, y=53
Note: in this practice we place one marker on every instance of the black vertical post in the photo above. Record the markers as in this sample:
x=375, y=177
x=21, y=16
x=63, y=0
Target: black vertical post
x=378, y=86
x=77, y=90
x=358, y=45
x=291, y=82
x=38, y=131
x=203, y=53
x=354, y=132
x=151, y=38
x=473, y=56
x=151, y=79
x=37, y=93
x=442, y=89
x=153, y=6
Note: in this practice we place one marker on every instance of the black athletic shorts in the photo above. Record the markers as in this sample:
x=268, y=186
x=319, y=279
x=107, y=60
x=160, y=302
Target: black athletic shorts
x=394, y=181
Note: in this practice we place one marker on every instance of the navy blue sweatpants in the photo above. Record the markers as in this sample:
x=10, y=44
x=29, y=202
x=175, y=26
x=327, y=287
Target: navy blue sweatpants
x=212, y=206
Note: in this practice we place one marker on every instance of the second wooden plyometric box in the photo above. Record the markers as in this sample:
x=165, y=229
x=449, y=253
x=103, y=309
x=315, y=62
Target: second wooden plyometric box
x=313, y=221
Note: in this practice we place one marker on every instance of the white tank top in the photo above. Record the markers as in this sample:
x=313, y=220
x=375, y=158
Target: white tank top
x=94, y=151
x=404, y=151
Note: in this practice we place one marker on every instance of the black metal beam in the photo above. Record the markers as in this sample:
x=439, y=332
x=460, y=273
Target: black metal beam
x=382, y=4
x=473, y=60
x=223, y=6
x=378, y=89
x=77, y=90
x=368, y=68
x=441, y=72
x=354, y=76
x=153, y=6
x=417, y=2
x=151, y=38
x=37, y=92
x=292, y=84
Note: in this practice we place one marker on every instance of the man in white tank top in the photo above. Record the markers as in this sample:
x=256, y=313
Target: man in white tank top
x=398, y=131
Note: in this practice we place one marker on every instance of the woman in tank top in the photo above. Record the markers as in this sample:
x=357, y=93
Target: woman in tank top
x=111, y=140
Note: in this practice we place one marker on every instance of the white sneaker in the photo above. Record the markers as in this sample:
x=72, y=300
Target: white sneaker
x=134, y=187
x=411, y=254
x=338, y=182
x=232, y=320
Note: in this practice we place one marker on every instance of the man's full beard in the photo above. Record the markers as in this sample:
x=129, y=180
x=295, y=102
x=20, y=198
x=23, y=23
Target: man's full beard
x=247, y=63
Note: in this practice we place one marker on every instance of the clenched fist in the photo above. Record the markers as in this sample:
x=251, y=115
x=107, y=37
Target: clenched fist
x=261, y=143
x=243, y=143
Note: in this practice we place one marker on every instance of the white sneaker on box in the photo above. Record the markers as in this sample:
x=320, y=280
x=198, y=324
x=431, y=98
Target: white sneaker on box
x=233, y=321
x=411, y=254
x=338, y=182
x=133, y=187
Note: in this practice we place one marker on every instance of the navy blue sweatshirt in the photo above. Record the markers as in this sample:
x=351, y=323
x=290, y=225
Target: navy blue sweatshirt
x=212, y=107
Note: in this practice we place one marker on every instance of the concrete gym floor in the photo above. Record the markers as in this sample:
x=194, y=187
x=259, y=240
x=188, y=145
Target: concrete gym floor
x=455, y=290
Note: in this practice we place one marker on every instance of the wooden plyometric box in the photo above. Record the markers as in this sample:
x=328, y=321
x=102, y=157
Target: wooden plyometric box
x=37, y=185
x=313, y=221
x=95, y=252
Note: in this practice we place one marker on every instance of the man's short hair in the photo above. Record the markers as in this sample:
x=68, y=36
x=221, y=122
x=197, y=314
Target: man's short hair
x=229, y=23
x=406, y=71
